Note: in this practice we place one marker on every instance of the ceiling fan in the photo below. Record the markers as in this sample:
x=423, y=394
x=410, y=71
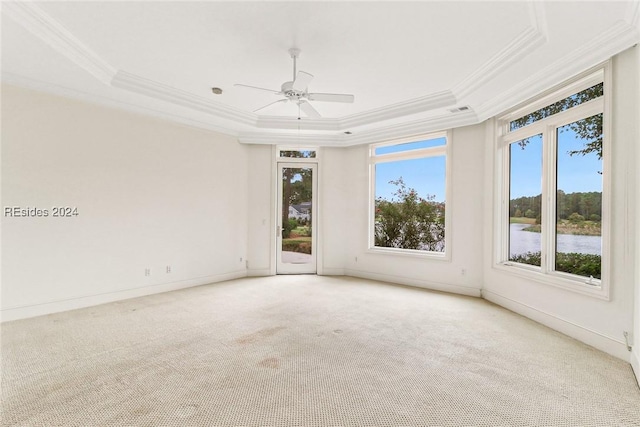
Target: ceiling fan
x=296, y=91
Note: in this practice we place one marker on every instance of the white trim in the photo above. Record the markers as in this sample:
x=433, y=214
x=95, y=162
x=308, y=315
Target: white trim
x=30, y=84
x=143, y=86
x=39, y=23
x=415, y=253
x=437, y=151
x=568, y=282
x=410, y=129
x=612, y=346
x=572, y=86
x=424, y=284
x=620, y=36
x=522, y=45
x=613, y=41
x=634, y=359
x=547, y=128
x=259, y=272
x=82, y=301
x=412, y=106
x=303, y=268
x=332, y=271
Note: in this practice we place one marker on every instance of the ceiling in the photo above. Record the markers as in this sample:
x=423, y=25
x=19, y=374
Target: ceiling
x=410, y=65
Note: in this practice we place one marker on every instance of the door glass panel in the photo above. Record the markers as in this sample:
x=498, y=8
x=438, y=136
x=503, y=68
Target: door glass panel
x=297, y=197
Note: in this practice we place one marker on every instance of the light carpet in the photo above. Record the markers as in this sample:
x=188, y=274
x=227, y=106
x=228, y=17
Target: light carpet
x=306, y=351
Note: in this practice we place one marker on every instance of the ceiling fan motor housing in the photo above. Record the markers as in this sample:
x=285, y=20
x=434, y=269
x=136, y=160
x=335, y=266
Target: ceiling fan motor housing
x=288, y=91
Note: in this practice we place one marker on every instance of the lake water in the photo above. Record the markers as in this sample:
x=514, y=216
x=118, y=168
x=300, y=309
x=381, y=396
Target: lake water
x=527, y=241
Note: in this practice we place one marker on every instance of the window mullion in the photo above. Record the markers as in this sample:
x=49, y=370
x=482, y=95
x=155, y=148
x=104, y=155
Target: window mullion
x=550, y=175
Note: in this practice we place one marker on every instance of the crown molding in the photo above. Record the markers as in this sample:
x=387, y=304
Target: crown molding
x=619, y=37
x=413, y=106
x=137, y=84
x=632, y=17
x=526, y=42
x=43, y=26
x=64, y=92
x=412, y=128
x=290, y=139
x=395, y=131
x=293, y=123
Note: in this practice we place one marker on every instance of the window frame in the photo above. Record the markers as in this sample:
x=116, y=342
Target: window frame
x=373, y=159
x=546, y=273
x=280, y=148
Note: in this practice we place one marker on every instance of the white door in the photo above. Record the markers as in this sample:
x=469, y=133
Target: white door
x=296, y=227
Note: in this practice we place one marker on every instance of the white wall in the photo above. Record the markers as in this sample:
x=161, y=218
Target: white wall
x=594, y=321
x=261, y=243
x=334, y=220
x=635, y=357
x=331, y=215
x=149, y=194
x=466, y=207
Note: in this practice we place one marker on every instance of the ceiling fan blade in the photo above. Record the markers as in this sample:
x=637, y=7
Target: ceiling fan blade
x=271, y=103
x=302, y=81
x=259, y=88
x=309, y=110
x=331, y=97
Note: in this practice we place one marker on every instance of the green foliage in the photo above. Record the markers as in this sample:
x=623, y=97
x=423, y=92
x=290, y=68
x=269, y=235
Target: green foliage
x=297, y=245
x=585, y=265
x=287, y=226
x=580, y=264
x=585, y=204
x=575, y=218
x=589, y=129
x=518, y=213
x=531, y=258
x=409, y=221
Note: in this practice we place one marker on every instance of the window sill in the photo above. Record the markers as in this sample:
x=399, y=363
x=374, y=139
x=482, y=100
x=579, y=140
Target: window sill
x=556, y=279
x=412, y=253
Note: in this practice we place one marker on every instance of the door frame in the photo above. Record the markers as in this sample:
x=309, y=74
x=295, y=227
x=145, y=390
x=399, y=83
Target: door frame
x=289, y=268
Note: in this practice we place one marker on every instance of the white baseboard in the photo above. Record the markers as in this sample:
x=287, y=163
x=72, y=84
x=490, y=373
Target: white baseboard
x=635, y=363
x=259, y=272
x=330, y=271
x=614, y=347
x=49, y=307
x=435, y=286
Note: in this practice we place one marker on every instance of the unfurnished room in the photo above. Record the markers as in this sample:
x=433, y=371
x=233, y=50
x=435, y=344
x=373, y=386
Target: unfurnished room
x=320, y=213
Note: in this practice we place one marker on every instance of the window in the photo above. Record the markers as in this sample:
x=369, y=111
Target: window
x=298, y=154
x=553, y=169
x=408, y=206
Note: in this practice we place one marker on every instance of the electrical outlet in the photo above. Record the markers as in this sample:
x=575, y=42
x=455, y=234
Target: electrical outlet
x=240, y=259
x=147, y=272
x=168, y=269
x=463, y=272
x=246, y=264
x=356, y=259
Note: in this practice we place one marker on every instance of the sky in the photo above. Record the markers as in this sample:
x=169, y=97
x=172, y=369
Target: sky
x=576, y=173
x=427, y=176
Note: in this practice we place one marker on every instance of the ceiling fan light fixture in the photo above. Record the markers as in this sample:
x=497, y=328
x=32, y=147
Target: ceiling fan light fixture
x=216, y=90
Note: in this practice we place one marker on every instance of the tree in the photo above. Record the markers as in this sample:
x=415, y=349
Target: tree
x=588, y=129
x=296, y=183
x=409, y=221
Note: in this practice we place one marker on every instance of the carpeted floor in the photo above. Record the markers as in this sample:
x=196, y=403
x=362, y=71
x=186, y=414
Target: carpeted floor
x=306, y=351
